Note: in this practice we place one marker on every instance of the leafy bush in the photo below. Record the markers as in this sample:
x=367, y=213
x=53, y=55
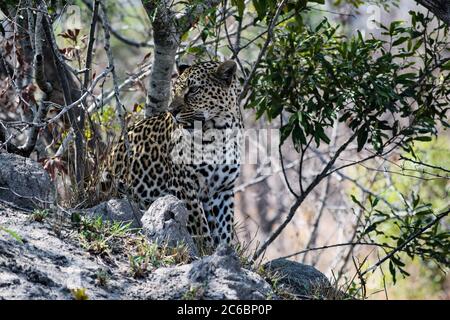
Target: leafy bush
x=385, y=90
x=384, y=93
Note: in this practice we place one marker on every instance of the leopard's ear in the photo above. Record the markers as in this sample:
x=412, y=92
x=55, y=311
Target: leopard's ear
x=181, y=68
x=226, y=70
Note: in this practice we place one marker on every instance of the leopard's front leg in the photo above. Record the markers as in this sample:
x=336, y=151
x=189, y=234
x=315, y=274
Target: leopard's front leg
x=220, y=209
x=197, y=224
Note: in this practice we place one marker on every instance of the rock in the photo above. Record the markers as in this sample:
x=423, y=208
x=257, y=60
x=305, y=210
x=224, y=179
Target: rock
x=299, y=279
x=50, y=262
x=45, y=266
x=48, y=267
x=24, y=182
x=116, y=210
x=214, y=277
x=165, y=222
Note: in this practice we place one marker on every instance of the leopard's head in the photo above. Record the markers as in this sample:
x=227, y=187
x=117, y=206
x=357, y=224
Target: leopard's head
x=206, y=92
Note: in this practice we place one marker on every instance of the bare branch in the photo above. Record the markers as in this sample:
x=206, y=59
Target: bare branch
x=117, y=35
x=90, y=48
x=439, y=217
x=303, y=196
x=425, y=164
x=262, y=52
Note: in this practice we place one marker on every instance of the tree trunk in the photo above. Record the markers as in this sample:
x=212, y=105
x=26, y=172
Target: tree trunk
x=440, y=8
x=166, y=39
x=168, y=29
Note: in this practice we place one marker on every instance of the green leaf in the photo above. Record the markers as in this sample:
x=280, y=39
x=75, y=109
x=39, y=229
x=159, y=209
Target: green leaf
x=240, y=4
x=75, y=218
x=13, y=234
x=400, y=41
x=416, y=200
x=285, y=132
x=345, y=116
x=406, y=78
x=446, y=66
x=392, y=271
x=397, y=261
x=298, y=138
x=375, y=202
x=417, y=45
x=274, y=111
x=321, y=134
x=394, y=27
x=363, y=134
x=195, y=50
x=357, y=202
x=370, y=228
x=261, y=8
x=423, y=138
x=185, y=36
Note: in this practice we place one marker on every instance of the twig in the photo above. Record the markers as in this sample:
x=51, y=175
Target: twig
x=90, y=48
x=120, y=109
x=259, y=179
x=313, y=236
x=407, y=241
x=288, y=184
x=77, y=102
x=262, y=52
x=344, y=244
x=117, y=35
x=424, y=164
x=303, y=196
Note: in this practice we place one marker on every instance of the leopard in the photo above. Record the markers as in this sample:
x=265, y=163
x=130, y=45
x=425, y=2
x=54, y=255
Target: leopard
x=161, y=155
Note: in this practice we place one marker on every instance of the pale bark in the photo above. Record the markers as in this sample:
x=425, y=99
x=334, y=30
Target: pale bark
x=168, y=29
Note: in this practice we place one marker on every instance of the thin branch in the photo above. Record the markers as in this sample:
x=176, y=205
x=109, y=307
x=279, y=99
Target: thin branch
x=259, y=179
x=303, y=196
x=425, y=164
x=118, y=36
x=262, y=52
x=288, y=184
x=77, y=102
x=120, y=109
x=90, y=48
x=354, y=181
x=337, y=245
x=439, y=217
x=315, y=228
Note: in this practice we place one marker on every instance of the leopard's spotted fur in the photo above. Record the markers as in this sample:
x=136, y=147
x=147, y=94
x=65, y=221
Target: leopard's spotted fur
x=205, y=95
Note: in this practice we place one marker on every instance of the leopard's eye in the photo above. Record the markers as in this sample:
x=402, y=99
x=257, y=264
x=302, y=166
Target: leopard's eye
x=193, y=90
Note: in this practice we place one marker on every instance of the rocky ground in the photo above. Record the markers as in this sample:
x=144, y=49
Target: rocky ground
x=51, y=253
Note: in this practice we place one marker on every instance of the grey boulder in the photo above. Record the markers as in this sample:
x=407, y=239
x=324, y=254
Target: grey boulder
x=165, y=222
x=121, y=210
x=301, y=280
x=216, y=277
x=24, y=182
